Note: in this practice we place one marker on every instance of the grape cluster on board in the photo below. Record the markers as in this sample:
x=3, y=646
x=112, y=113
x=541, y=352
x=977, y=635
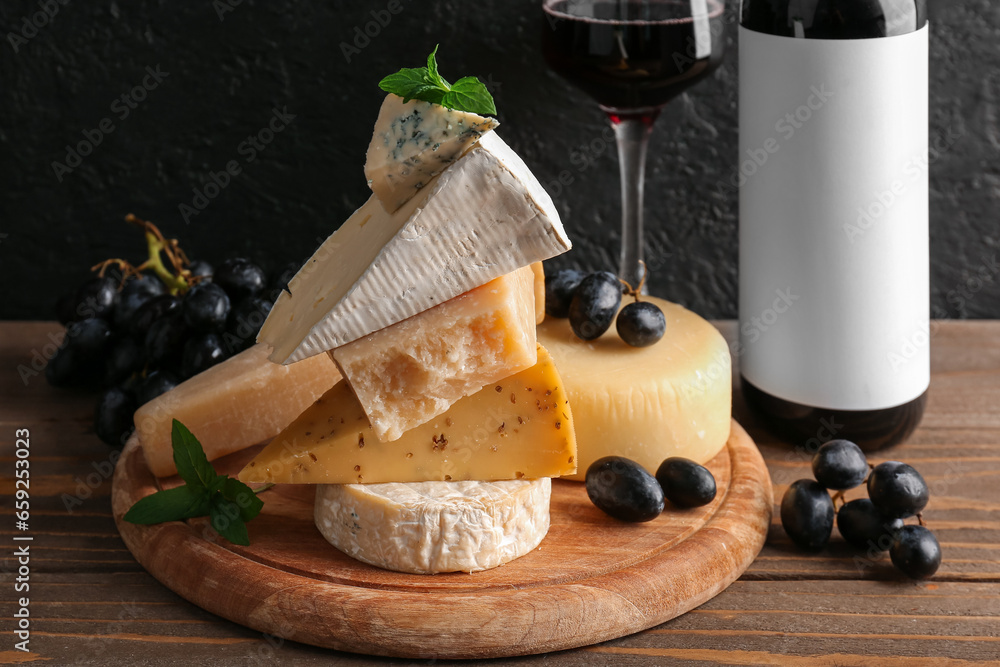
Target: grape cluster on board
x=134, y=332
x=622, y=488
x=896, y=491
x=591, y=302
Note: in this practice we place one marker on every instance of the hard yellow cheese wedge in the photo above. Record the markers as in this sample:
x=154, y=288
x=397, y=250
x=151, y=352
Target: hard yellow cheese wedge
x=414, y=370
x=243, y=401
x=520, y=427
x=539, y=272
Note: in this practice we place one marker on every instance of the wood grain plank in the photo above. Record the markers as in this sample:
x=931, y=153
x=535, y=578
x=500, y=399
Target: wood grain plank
x=635, y=576
x=789, y=608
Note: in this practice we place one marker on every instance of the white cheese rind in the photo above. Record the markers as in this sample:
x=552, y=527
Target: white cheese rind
x=432, y=527
x=415, y=141
x=483, y=217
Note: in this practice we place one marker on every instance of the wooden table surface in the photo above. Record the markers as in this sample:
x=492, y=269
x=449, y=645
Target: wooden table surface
x=91, y=603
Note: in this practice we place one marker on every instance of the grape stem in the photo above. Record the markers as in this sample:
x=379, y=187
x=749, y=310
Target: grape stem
x=637, y=290
x=920, y=519
x=177, y=280
x=123, y=266
x=839, y=495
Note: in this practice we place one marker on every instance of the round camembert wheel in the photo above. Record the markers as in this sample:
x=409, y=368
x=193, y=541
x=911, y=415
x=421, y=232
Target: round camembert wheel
x=431, y=527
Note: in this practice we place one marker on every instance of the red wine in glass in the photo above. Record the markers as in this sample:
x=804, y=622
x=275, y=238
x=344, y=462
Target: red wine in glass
x=632, y=57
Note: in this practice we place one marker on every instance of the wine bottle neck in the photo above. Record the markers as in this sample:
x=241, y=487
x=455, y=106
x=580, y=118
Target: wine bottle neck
x=834, y=19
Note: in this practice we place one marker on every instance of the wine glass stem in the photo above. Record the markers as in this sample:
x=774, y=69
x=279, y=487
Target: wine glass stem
x=632, y=135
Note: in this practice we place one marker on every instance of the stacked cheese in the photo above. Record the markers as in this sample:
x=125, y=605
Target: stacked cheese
x=426, y=299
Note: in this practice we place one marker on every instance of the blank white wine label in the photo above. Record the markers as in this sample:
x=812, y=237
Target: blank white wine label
x=834, y=266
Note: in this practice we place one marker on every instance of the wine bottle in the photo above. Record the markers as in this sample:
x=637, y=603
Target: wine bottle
x=834, y=266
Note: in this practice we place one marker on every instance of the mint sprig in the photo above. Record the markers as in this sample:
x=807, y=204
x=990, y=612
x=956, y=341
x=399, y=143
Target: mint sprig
x=425, y=83
x=228, y=502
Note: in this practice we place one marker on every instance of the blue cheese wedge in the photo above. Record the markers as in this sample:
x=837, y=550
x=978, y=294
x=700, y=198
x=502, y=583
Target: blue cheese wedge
x=415, y=141
x=481, y=218
x=432, y=527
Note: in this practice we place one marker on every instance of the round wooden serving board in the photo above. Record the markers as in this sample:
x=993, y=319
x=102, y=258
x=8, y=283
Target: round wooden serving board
x=593, y=578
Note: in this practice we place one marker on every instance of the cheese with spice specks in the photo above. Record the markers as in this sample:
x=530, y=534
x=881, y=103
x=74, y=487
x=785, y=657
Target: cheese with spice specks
x=520, y=427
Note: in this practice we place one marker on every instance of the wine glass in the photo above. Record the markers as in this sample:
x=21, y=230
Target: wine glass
x=632, y=57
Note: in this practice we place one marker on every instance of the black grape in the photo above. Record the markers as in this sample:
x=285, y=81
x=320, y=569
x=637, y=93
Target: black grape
x=897, y=489
x=807, y=514
x=202, y=269
x=641, y=323
x=97, y=298
x=245, y=321
x=113, y=416
x=164, y=341
x=65, y=368
x=559, y=291
x=156, y=308
x=595, y=304
x=206, y=307
x=916, y=552
x=686, y=483
x=155, y=384
x=623, y=489
x=840, y=465
x=135, y=293
x=240, y=278
x=201, y=352
x=125, y=358
x=91, y=337
x=861, y=524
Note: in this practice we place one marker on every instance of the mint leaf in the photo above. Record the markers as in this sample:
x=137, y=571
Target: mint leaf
x=246, y=500
x=189, y=457
x=226, y=520
x=229, y=503
x=432, y=70
x=177, y=504
x=469, y=94
x=426, y=83
x=407, y=83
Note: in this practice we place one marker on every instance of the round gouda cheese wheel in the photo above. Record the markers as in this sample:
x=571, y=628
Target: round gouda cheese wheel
x=673, y=398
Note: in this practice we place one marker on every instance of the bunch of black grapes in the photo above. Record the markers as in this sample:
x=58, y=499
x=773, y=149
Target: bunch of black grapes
x=133, y=339
x=896, y=491
x=591, y=301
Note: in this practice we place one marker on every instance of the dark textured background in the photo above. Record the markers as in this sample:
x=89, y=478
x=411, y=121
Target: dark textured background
x=226, y=75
